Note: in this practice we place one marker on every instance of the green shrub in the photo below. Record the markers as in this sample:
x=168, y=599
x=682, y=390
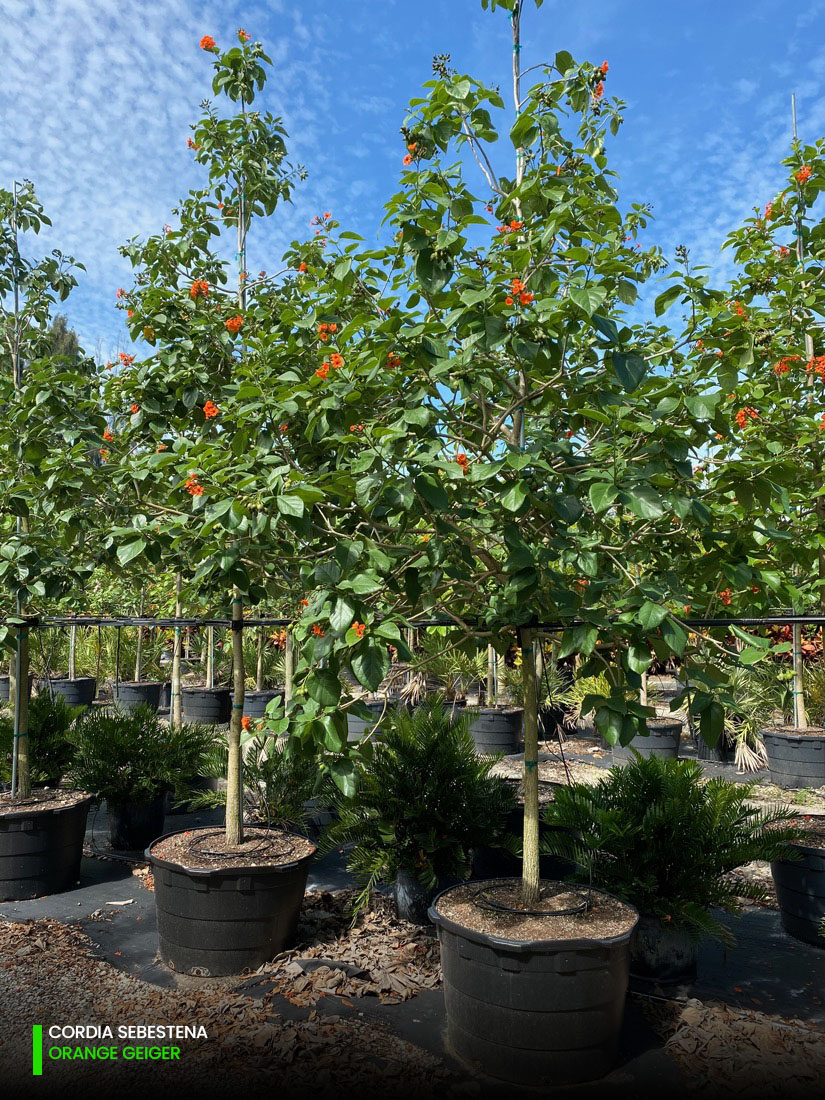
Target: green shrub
x=50, y=726
x=133, y=757
x=424, y=800
x=656, y=835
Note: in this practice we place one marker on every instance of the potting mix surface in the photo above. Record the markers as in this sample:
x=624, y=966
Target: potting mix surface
x=42, y=798
x=207, y=849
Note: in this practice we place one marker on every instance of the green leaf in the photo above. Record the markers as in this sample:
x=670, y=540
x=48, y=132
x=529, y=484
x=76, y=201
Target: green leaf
x=432, y=491
x=433, y=272
x=588, y=298
x=344, y=777
x=630, y=369
x=290, y=505
x=638, y=657
x=651, y=615
x=602, y=494
x=606, y=327
x=324, y=687
x=515, y=498
x=371, y=664
x=675, y=636
x=712, y=723
x=342, y=615
x=130, y=550
x=579, y=639
x=666, y=299
x=645, y=502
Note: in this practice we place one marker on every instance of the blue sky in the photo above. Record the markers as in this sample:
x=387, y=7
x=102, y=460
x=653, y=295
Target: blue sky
x=96, y=97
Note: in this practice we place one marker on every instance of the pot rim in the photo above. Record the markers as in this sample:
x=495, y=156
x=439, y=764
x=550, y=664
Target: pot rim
x=789, y=732
x=526, y=946
x=224, y=872
x=28, y=814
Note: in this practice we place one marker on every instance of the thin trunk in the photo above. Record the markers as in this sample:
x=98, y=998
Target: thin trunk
x=234, y=773
x=259, y=667
x=531, y=876
x=139, y=646
x=21, y=782
x=175, y=700
x=643, y=690
x=491, y=676
x=209, y=652
x=289, y=665
x=72, y=652
x=800, y=718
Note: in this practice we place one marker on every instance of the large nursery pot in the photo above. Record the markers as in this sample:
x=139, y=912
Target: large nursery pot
x=130, y=694
x=535, y=1011
x=134, y=825
x=210, y=705
x=796, y=758
x=661, y=954
x=225, y=920
x=800, y=889
x=41, y=848
x=79, y=692
x=359, y=727
x=5, y=686
x=256, y=702
x=663, y=738
x=721, y=752
x=497, y=730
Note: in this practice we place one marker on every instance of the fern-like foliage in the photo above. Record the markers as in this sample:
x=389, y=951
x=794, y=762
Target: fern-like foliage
x=424, y=800
x=50, y=726
x=132, y=756
x=654, y=834
x=277, y=784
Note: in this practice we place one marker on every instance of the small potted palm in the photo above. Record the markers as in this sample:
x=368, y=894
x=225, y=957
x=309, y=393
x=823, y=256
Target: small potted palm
x=425, y=800
x=50, y=726
x=628, y=834
x=132, y=760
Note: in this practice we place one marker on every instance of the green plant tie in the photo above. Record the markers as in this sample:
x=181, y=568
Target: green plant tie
x=531, y=764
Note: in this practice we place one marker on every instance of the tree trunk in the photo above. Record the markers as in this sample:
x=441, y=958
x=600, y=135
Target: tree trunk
x=800, y=718
x=139, y=646
x=175, y=700
x=531, y=879
x=234, y=773
x=259, y=667
x=72, y=652
x=491, y=699
x=21, y=715
x=209, y=648
x=289, y=665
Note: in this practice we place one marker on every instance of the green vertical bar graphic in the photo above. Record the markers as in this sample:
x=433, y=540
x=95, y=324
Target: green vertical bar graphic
x=37, y=1050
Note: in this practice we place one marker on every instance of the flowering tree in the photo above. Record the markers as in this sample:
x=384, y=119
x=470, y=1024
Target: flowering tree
x=50, y=429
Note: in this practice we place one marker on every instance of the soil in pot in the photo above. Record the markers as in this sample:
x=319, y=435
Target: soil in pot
x=41, y=842
x=663, y=738
x=212, y=706
x=662, y=955
x=534, y=998
x=77, y=693
x=132, y=826
x=796, y=757
x=134, y=693
x=800, y=887
x=497, y=730
x=225, y=911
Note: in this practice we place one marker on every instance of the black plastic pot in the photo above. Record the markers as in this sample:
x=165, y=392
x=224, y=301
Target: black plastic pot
x=497, y=730
x=489, y=862
x=663, y=737
x=210, y=705
x=133, y=826
x=795, y=759
x=359, y=727
x=663, y=955
x=40, y=850
x=4, y=687
x=143, y=693
x=720, y=752
x=77, y=693
x=412, y=898
x=537, y=1012
x=165, y=699
x=228, y=919
x=800, y=888
x=256, y=702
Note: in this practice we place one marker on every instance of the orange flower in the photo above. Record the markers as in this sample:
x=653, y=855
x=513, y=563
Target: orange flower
x=317, y=631
x=769, y=212
x=359, y=628
x=130, y=313
x=803, y=175
x=125, y=359
x=323, y=370
x=746, y=414
x=193, y=486
x=568, y=434
x=302, y=267
x=407, y=161
x=207, y=42
x=725, y=596
x=246, y=722
x=783, y=252
x=160, y=447
x=104, y=454
x=191, y=144
x=210, y=410
x=463, y=462
x=412, y=146
x=336, y=360
x=515, y=225
x=604, y=68
x=425, y=538
x=525, y=297
x=284, y=428
x=816, y=364
x=121, y=293
x=107, y=435
x=598, y=91
x=242, y=35
x=135, y=409
x=304, y=603
x=332, y=327
x=508, y=301
x=687, y=608
x=233, y=324
x=199, y=289
x=393, y=360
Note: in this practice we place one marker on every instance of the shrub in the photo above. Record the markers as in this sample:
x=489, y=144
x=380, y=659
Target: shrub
x=50, y=726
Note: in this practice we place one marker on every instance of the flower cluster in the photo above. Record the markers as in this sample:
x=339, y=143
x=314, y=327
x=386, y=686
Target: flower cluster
x=193, y=486
x=210, y=410
x=190, y=145
x=725, y=596
x=803, y=175
x=325, y=330
x=199, y=289
x=463, y=462
x=121, y=293
x=107, y=435
x=513, y=227
x=104, y=454
x=208, y=43
x=745, y=415
x=518, y=290
x=356, y=427
x=317, y=631
x=393, y=360
x=125, y=359
x=246, y=722
x=359, y=628
x=784, y=364
x=233, y=324
x=816, y=364
x=134, y=408
x=242, y=35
